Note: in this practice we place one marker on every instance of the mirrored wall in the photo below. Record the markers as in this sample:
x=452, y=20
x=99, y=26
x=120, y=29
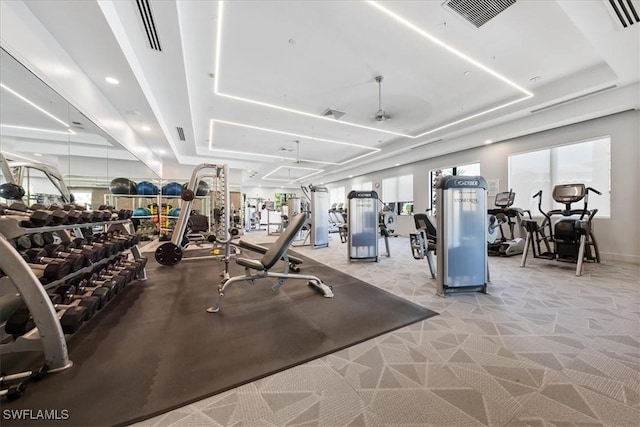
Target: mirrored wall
x=40, y=131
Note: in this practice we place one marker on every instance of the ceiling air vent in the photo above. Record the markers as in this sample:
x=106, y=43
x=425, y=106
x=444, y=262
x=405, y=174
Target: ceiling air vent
x=331, y=112
x=478, y=12
x=181, y=133
x=149, y=24
x=625, y=11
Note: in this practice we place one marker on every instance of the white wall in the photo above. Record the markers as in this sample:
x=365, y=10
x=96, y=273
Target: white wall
x=618, y=236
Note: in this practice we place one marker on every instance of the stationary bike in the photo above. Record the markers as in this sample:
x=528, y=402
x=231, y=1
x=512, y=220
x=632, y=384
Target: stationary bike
x=569, y=239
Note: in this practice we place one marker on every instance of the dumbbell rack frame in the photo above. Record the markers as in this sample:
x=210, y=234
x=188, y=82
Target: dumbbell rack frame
x=48, y=331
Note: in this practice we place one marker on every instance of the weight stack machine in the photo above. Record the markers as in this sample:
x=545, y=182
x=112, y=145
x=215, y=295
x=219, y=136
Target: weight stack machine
x=362, y=225
x=319, y=197
x=461, y=248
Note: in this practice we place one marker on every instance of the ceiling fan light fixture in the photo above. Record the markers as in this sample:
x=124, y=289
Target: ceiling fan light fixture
x=380, y=115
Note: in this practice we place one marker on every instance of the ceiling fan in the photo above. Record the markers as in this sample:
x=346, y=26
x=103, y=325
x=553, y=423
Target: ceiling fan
x=380, y=115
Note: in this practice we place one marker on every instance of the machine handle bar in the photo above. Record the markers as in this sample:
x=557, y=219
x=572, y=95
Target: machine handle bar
x=594, y=190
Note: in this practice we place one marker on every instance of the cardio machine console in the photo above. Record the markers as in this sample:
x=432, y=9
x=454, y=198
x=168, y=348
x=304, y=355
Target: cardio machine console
x=569, y=193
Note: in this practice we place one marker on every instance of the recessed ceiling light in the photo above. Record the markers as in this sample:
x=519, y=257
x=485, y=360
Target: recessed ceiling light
x=146, y=128
x=37, y=154
x=350, y=176
x=397, y=164
x=112, y=80
x=488, y=141
x=162, y=151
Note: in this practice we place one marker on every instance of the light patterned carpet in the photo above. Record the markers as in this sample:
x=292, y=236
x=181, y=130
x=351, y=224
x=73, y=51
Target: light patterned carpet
x=545, y=348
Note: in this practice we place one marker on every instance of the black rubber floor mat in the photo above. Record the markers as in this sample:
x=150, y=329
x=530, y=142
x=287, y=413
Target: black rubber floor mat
x=156, y=348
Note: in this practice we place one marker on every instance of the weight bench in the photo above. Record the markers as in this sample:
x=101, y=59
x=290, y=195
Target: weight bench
x=258, y=269
x=294, y=262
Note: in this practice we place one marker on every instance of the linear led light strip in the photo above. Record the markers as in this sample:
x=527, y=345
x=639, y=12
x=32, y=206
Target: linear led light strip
x=398, y=18
x=317, y=171
x=68, y=131
x=211, y=148
x=37, y=107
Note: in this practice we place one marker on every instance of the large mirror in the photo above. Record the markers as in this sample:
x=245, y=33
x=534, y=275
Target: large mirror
x=42, y=135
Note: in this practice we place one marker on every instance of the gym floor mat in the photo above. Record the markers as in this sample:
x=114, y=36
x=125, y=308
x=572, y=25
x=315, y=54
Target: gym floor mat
x=156, y=348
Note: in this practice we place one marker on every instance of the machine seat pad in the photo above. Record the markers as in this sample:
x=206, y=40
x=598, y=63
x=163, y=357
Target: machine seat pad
x=250, y=263
x=262, y=250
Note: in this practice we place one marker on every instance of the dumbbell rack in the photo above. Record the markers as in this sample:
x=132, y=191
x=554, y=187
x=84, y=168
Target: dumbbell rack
x=47, y=336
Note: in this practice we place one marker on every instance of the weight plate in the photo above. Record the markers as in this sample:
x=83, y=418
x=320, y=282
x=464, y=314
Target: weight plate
x=168, y=254
x=188, y=195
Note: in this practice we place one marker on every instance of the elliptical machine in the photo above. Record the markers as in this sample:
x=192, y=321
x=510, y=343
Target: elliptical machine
x=504, y=213
x=572, y=239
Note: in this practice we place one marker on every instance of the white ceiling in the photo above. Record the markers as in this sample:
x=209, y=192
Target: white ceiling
x=247, y=81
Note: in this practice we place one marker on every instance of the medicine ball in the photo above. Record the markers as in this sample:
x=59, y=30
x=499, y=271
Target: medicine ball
x=146, y=188
x=122, y=186
x=172, y=189
x=141, y=212
x=11, y=191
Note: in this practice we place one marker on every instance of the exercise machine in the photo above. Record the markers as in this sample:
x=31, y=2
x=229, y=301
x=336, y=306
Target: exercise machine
x=258, y=269
x=363, y=226
x=318, y=215
x=171, y=252
x=504, y=214
x=423, y=242
x=570, y=239
x=461, y=203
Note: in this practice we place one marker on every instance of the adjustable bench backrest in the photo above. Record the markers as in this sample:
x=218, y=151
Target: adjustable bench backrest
x=424, y=222
x=277, y=250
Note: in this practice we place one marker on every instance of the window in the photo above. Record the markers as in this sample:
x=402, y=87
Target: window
x=397, y=194
x=83, y=198
x=471, y=169
x=337, y=196
x=585, y=162
x=281, y=200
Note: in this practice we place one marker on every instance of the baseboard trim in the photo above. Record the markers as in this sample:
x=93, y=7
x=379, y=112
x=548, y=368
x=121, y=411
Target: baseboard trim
x=609, y=256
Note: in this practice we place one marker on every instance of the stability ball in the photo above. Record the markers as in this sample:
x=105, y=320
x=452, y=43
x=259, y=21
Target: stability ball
x=122, y=186
x=146, y=188
x=11, y=191
x=172, y=189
